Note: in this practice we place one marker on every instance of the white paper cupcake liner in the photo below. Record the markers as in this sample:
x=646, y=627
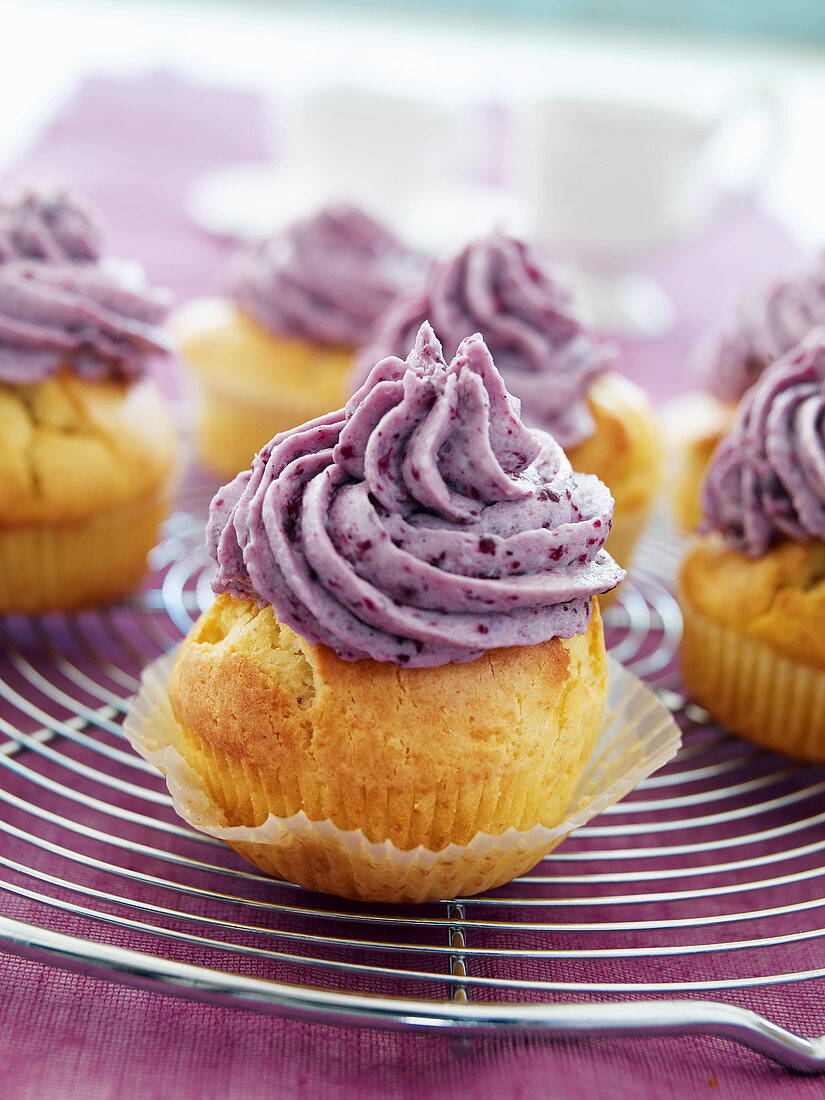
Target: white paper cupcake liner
x=638, y=736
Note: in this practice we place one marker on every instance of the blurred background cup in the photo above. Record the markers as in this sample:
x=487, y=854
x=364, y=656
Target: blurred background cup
x=603, y=184
x=343, y=142
x=380, y=149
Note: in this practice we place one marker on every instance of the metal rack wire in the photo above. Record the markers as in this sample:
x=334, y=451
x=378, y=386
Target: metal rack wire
x=707, y=880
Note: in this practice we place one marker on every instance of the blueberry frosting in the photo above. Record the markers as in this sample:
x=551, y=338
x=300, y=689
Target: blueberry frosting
x=422, y=524
x=98, y=320
x=768, y=323
x=62, y=304
x=500, y=287
x=52, y=225
x=325, y=278
x=766, y=481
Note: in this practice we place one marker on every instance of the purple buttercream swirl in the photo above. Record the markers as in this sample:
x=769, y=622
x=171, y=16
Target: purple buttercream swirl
x=500, y=287
x=766, y=481
x=52, y=225
x=767, y=324
x=99, y=320
x=325, y=278
x=422, y=524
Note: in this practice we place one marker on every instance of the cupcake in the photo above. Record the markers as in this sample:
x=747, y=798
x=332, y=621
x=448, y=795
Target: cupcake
x=767, y=324
x=560, y=372
x=405, y=644
x=277, y=352
x=752, y=588
x=87, y=447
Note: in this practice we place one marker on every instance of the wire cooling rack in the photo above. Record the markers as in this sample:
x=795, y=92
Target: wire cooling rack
x=657, y=918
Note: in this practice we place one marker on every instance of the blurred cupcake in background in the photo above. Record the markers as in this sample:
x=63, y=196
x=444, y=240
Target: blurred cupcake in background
x=752, y=588
x=766, y=325
x=562, y=373
x=277, y=351
x=87, y=447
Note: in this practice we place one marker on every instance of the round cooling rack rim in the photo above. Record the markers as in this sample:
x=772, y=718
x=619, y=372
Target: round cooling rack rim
x=726, y=837
x=637, y=1019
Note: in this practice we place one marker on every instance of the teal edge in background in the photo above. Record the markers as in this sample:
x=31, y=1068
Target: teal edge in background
x=789, y=20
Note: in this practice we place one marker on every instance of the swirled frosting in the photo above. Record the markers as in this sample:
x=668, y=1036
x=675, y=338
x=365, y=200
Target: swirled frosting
x=767, y=324
x=99, y=320
x=424, y=523
x=766, y=481
x=325, y=278
x=51, y=225
x=501, y=288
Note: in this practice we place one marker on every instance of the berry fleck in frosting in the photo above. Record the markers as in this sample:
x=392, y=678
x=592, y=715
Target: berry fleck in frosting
x=422, y=524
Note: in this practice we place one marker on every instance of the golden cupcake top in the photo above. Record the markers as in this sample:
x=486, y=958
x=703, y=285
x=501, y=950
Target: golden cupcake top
x=70, y=448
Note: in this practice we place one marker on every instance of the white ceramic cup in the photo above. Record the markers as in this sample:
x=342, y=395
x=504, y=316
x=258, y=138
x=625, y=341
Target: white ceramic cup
x=343, y=143
x=603, y=183
x=378, y=148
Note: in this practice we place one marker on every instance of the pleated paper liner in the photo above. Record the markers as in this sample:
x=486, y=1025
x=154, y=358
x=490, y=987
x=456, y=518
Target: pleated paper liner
x=77, y=564
x=638, y=736
x=752, y=689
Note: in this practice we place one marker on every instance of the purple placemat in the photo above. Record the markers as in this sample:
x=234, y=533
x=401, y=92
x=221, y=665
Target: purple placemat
x=134, y=146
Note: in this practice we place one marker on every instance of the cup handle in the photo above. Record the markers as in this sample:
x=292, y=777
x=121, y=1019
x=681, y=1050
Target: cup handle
x=755, y=101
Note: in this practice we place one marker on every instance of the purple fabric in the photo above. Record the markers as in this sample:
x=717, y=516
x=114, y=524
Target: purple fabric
x=134, y=146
